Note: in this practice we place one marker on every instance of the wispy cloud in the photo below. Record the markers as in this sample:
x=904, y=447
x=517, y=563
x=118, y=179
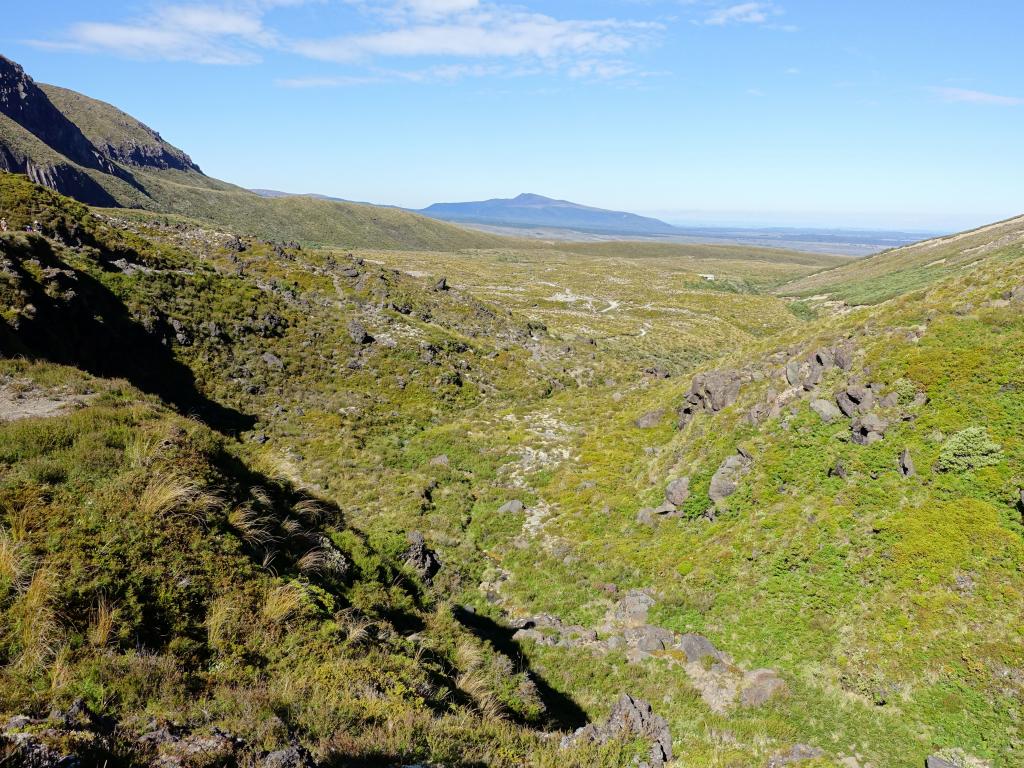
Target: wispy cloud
x=202, y=34
x=742, y=13
x=485, y=32
x=465, y=37
x=967, y=96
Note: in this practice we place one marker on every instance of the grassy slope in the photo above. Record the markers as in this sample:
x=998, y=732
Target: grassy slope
x=843, y=586
x=149, y=566
x=888, y=274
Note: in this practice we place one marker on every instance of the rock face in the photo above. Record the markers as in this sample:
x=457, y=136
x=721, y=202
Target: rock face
x=630, y=719
x=422, y=558
x=726, y=480
x=854, y=400
x=116, y=141
x=710, y=393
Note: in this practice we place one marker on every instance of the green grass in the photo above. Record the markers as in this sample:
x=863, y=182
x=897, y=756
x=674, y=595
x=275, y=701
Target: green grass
x=890, y=605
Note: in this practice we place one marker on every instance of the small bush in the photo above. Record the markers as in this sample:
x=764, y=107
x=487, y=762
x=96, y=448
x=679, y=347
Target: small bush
x=967, y=450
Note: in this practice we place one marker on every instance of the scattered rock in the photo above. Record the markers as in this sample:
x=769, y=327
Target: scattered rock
x=632, y=609
x=629, y=719
x=906, y=464
x=760, y=686
x=647, y=639
x=358, y=333
x=726, y=480
x=797, y=754
x=272, y=361
x=651, y=515
x=678, y=491
x=650, y=419
x=793, y=370
x=697, y=648
x=422, y=558
x=440, y=460
x=292, y=757
x=826, y=410
x=813, y=376
x=868, y=429
x=854, y=400
x=839, y=470
x=843, y=358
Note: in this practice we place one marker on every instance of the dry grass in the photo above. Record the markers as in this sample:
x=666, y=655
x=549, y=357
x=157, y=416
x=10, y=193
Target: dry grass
x=102, y=625
x=310, y=510
x=255, y=529
x=476, y=686
x=38, y=632
x=141, y=451
x=223, y=620
x=169, y=492
x=13, y=562
x=283, y=603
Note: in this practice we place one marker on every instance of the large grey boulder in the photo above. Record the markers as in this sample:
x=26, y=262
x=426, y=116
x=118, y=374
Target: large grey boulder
x=697, y=648
x=726, y=480
x=934, y=761
x=513, y=507
x=826, y=410
x=678, y=491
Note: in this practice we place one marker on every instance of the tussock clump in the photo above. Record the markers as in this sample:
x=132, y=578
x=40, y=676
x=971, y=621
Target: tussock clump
x=967, y=450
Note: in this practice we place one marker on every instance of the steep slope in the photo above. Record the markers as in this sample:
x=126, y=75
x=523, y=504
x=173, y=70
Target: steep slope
x=163, y=585
x=530, y=210
x=94, y=152
x=888, y=274
x=835, y=572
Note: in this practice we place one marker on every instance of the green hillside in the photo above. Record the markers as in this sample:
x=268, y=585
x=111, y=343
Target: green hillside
x=319, y=500
x=892, y=273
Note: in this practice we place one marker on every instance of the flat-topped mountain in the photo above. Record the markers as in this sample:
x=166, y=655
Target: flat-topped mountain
x=531, y=210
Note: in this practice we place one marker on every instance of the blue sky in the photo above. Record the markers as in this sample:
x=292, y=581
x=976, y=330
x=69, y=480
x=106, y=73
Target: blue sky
x=833, y=112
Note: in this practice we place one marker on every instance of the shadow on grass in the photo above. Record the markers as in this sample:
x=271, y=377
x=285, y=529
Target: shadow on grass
x=76, y=320
x=564, y=714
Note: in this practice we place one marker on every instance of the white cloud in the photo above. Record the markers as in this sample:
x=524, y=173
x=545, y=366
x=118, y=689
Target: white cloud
x=460, y=34
x=488, y=32
x=202, y=34
x=966, y=96
x=743, y=13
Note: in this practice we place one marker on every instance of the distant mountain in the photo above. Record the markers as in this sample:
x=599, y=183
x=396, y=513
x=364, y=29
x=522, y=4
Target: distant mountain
x=530, y=210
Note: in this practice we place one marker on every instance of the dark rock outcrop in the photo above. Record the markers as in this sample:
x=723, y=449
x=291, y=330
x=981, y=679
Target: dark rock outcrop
x=422, y=558
x=630, y=719
x=868, y=429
